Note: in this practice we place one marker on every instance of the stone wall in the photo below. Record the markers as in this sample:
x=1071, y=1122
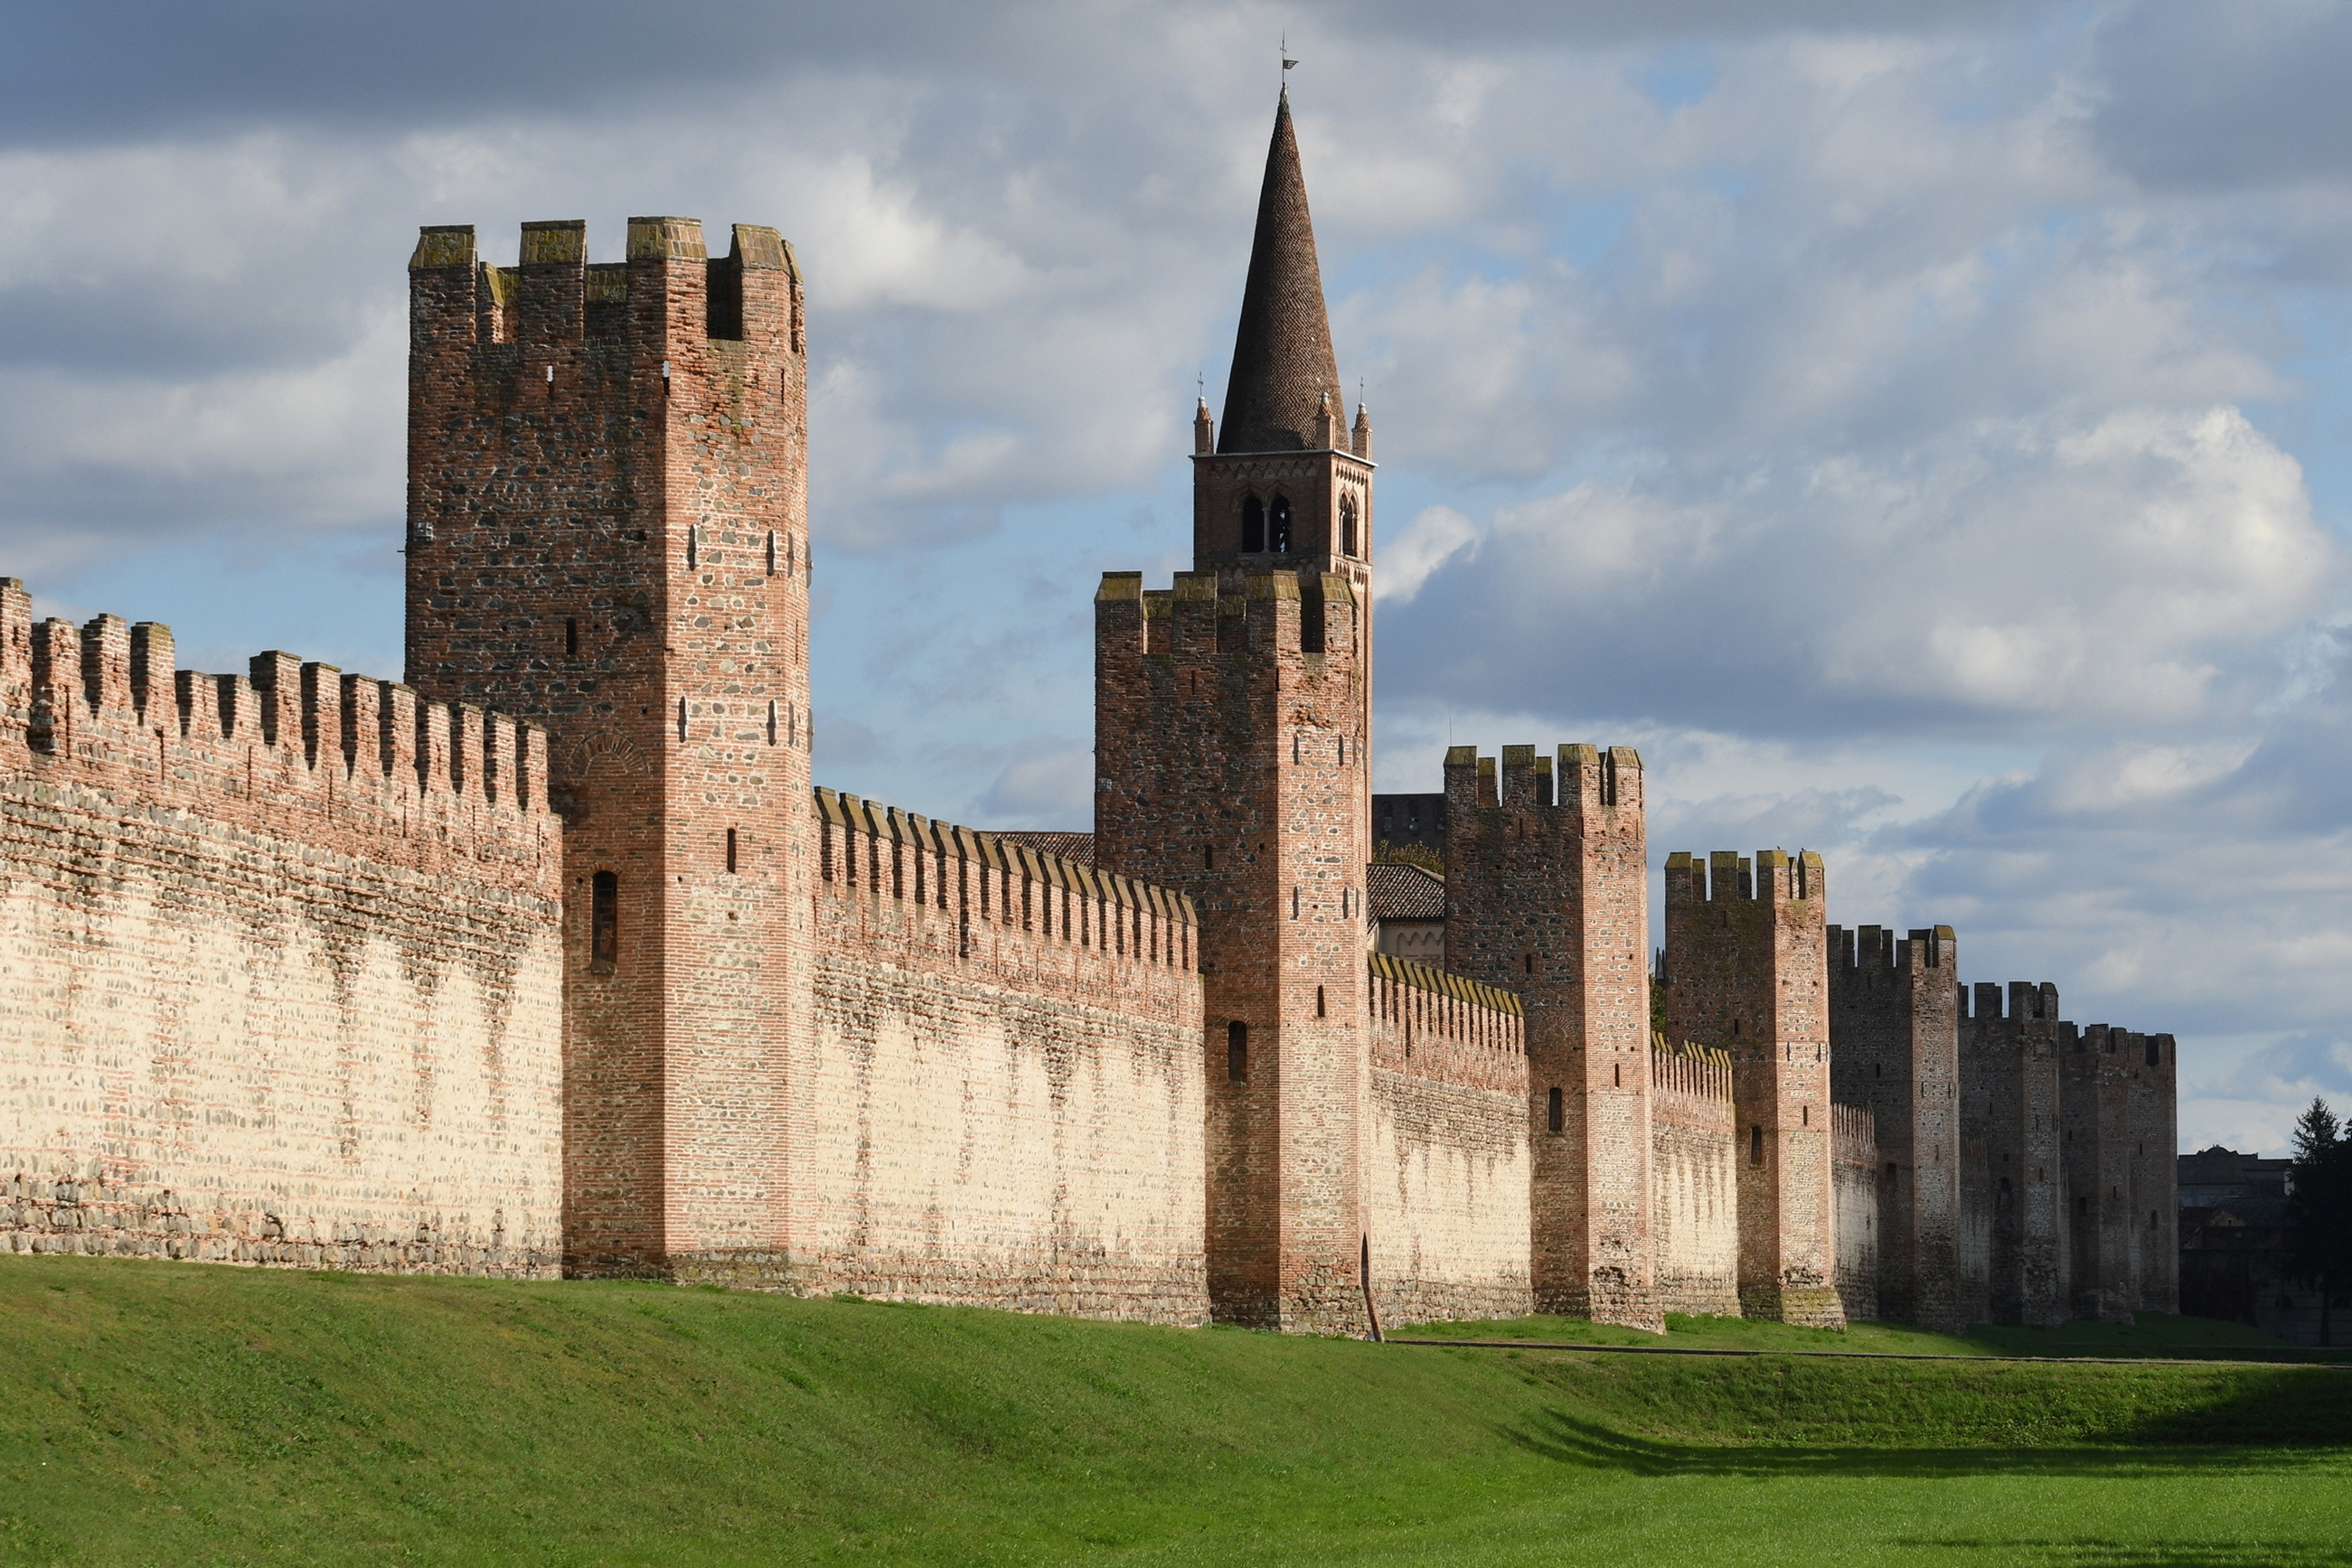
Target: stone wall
x=1008, y=1048
x=282, y=959
x=1446, y=1160
x=1695, y=1187
x=1861, y=1215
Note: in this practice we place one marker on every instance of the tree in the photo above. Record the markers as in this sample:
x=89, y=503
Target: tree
x=2319, y=1203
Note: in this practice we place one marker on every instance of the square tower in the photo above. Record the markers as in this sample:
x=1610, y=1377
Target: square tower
x=607, y=533
x=2013, y=1264
x=1547, y=885
x=1747, y=970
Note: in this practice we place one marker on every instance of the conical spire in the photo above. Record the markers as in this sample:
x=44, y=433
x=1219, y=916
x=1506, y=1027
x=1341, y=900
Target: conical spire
x=1283, y=367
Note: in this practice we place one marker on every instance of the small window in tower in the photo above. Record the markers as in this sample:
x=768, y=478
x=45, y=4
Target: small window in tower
x=604, y=922
x=1755, y=1145
x=1277, y=526
x=1556, y=1112
x=1237, y=1051
x=771, y=721
x=730, y=851
x=681, y=718
x=771, y=552
x=1347, y=524
x=571, y=639
x=1252, y=525
x=1318, y=1002
x=693, y=545
x=1616, y=1075
x=1527, y=963
x=1208, y=857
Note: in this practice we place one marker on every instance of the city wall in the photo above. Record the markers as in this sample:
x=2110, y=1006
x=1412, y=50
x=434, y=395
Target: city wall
x=1695, y=1185
x=1008, y=1047
x=1447, y=1164
x=282, y=959
x=1861, y=1214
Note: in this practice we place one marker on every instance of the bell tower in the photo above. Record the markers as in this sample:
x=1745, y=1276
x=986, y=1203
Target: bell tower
x=1232, y=729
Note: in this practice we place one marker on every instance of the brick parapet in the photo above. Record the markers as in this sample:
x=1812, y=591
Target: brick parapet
x=1894, y=1047
x=1746, y=972
x=1441, y=1028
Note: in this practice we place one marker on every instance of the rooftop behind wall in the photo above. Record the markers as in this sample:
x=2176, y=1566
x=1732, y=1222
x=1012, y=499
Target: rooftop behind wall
x=298, y=749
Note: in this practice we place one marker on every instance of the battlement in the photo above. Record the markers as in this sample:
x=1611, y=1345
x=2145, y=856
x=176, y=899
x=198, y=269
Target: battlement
x=1693, y=1071
x=554, y=295
x=2028, y=1000
x=1854, y=1131
x=1576, y=779
x=1445, y=1028
x=990, y=882
x=1771, y=876
x=1228, y=612
x=1875, y=949
x=104, y=706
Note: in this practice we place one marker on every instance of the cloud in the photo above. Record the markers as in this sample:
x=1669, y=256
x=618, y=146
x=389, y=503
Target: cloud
x=1435, y=536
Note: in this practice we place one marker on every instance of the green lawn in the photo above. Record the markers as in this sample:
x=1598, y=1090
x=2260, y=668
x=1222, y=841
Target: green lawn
x=183, y=1414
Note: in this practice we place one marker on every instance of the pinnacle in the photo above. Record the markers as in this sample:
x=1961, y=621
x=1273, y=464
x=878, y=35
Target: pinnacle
x=1283, y=368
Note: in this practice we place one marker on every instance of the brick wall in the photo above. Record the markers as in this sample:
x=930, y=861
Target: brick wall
x=283, y=964
x=1694, y=1181
x=1446, y=1161
x=1894, y=1047
x=2013, y=1261
x=1546, y=894
x=1862, y=1219
x=607, y=532
x=1746, y=973
x=1007, y=1047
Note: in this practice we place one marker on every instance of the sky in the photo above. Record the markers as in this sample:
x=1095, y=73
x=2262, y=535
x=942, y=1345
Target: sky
x=1920, y=429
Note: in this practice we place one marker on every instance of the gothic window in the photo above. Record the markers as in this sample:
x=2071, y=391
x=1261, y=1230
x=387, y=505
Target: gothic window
x=605, y=921
x=1252, y=525
x=1347, y=524
x=1277, y=526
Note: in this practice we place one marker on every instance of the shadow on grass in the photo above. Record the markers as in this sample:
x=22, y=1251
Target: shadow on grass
x=1553, y=1434
x=2095, y=1552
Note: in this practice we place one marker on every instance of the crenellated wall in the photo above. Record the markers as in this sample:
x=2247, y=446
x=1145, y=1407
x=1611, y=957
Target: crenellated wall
x=1007, y=1053
x=1694, y=1183
x=1447, y=1161
x=1854, y=1160
x=283, y=963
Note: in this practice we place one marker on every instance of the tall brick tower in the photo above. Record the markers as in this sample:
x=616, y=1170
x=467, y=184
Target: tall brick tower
x=607, y=532
x=1548, y=897
x=1231, y=715
x=1894, y=1029
x=2014, y=1267
x=1746, y=970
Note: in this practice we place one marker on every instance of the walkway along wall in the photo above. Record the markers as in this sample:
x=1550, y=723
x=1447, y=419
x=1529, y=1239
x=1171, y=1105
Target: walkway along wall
x=1007, y=1050
x=1446, y=1161
x=283, y=964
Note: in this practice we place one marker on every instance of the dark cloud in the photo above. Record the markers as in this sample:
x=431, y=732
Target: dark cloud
x=2224, y=97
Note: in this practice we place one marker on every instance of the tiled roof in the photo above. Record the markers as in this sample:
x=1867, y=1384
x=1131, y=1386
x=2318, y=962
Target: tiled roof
x=1403, y=892
x=1079, y=847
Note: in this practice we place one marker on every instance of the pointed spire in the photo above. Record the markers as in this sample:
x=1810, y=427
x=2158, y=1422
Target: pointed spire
x=1283, y=368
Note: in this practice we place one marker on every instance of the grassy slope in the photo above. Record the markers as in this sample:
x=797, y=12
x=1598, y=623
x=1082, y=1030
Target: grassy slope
x=181, y=1413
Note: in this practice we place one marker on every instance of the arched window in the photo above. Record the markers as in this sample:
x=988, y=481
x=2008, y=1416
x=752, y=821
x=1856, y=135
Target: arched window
x=1252, y=525
x=1277, y=526
x=1347, y=524
x=605, y=920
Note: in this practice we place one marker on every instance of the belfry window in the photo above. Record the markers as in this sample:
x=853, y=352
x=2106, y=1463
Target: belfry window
x=1277, y=526
x=1252, y=525
x=605, y=920
x=1347, y=524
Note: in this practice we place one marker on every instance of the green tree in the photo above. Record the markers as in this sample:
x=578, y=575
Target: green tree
x=2320, y=1207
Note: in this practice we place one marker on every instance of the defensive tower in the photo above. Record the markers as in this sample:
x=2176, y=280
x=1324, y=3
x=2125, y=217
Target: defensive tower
x=607, y=533
x=1230, y=718
x=1895, y=1007
x=1546, y=885
x=2012, y=1267
x=1746, y=972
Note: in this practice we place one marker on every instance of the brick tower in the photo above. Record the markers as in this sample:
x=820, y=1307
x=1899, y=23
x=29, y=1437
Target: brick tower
x=2013, y=1268
x=1231, y=720
x=1546, y=894
x=1895, y=1007
x=607, y=533
x=1746, y=971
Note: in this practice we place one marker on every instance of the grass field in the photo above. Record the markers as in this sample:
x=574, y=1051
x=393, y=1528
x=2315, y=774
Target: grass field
x=181, y=1413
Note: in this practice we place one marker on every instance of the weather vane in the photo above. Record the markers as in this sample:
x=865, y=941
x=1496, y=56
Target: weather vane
x=1286, y=61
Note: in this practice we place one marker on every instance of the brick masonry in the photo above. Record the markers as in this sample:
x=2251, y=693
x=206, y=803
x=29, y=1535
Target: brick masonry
x=2013, y=1240
x=1694, y=1181
x=1862, y=1220
x=283, y=960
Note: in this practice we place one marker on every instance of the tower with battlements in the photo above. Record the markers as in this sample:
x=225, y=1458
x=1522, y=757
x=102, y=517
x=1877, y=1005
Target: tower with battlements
x=1232, y=716
x=1747, y=973
x=607, y=534
x=1547, y=885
